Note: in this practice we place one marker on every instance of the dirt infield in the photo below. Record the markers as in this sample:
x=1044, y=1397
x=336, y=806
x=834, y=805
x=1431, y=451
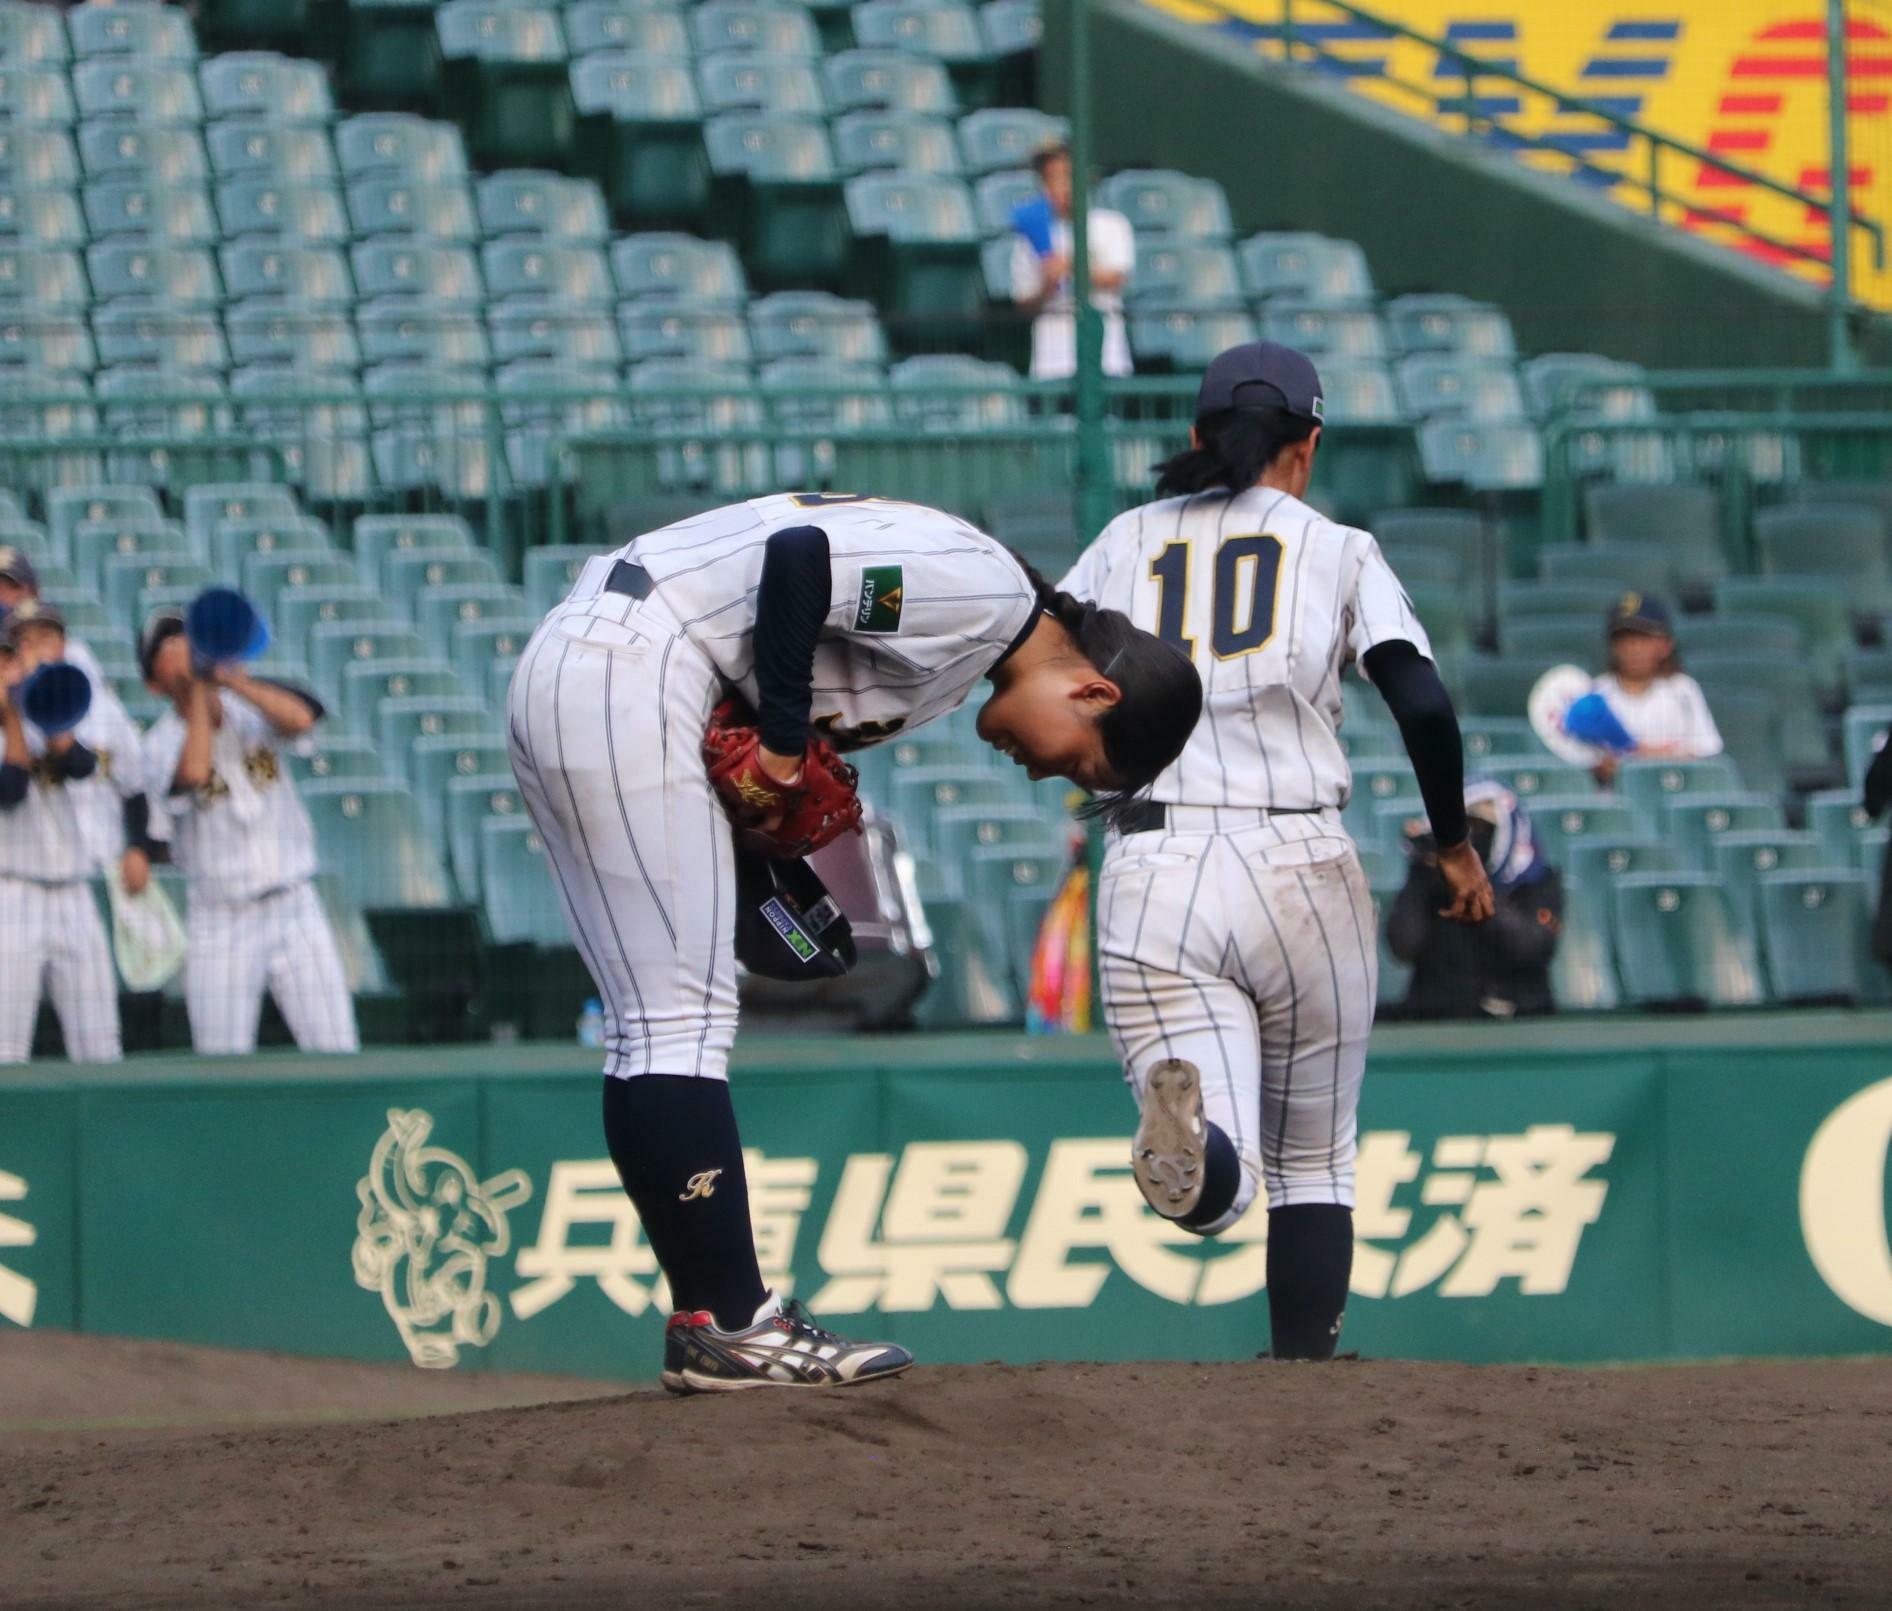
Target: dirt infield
x=1210, y=1486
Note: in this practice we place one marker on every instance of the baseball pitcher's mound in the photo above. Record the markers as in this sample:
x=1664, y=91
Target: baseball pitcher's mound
x=1207, y=1486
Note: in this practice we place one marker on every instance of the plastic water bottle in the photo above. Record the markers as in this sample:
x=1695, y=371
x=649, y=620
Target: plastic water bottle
x=591, y=1024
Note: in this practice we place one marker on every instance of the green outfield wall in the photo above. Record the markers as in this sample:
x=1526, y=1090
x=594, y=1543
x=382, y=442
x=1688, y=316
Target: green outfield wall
x=1624, y=1190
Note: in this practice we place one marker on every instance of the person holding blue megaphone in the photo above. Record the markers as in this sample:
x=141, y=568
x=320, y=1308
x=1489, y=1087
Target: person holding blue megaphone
x=239, y=831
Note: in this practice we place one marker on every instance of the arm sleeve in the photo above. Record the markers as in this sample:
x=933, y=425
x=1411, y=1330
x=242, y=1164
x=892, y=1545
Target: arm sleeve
x=137, y=810
x=78, y=763
x=163, y=748
x=13, y=782
x=1381, y=612
x=1703, y=738
x=792, y=602
x=1113, y=242
x=1028, y=279
x=1410, y=685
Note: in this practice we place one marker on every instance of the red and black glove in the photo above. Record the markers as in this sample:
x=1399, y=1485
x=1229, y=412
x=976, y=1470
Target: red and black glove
x=779, y=820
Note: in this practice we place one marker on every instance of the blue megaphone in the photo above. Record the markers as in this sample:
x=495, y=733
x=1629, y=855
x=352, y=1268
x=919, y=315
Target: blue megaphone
x=222, y=626
x=55, y=697
x=1034, y=219
x=1591, y=721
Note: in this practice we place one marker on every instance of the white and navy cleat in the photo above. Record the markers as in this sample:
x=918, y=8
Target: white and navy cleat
x=781, y=1347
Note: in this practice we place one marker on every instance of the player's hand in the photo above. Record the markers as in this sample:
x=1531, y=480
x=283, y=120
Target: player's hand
x=1468, y=887
x=134, y=871
x=783, y=768
x=1605, y=770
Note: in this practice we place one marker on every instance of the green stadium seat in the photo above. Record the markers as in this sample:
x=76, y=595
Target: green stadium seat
x=957, y=831
x=300, y=609
x=285, y=331
x=1625, y=567
x=1433, y=322
x=1646, y=785
x=1529, y=776
x=155, y=155
x=1741, y=859
x=416, y=330
x=665, y=327
x=93, y=542
x=1820, y=606
x=139, y=330
x=1312, y=268
x=400, y=145
x=1731, y=634
x=50, y=219
x=745, y=81
x=1683, y=519
x=323, y=444
x=1361, y=394
x=1012, y=31
x=947, y=31
x=782, y=32
x=504, y=79
x=557, y=401
x=369, y=833
x=1008, y=888
x=1471, y=541
x=85, y=614
x=430, y=430
x=1693, y=822
x=315, y=276
x=518, y=886
x=33, y=540
x=1838, y=817
x=433, y=761
x=398, y=722
x=1842, y=542
x=1561, y=822
x=54, y=344
x=1816, y=927
x=124, y=578
x=160, y=215
x=640, y=129
x=405, y=571
x=1563, y=601
x=995, y=197
x=375, y=537
x=579, y=275
x=466, y=802
x=1753, y=724
x=1864, y=733
x=439, y=611
x=776, y=189
x=1499, y=738
x=284, y=154
x=1594, y=862
x=612, y=25
x=1325, y=330
x=1496, y=685
x=262, y=84
x=679, y=265
x=447, y=273
x=864, y=141
x=1185, y=337
x=266, y=573
x=818, y=394
x=1583, y=967
x=38, y=158
x=548, y=207
x=816, y=324
x=33, y=36
x=1586, y=386
x=1160, y=202
x=550, y=572
x=998, y=137
x=861, y=80
x=336, y=755
x=37, y=97
x=438, y=212
x=1552, y=639
x=69, y=508
x=916, y=797
x=1483, y=457
x=391, y=53
x=1680, y=941
x=944, y=392
x=136, y=91
x=290, y=214
x=364, y=684
x=35, y=280
x=1370, y=744
x=1435, y=385
x=334, y=646
x=473, y=646
x=1188, y=272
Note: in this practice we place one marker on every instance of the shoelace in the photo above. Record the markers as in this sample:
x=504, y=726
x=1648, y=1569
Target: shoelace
x=798, y=1321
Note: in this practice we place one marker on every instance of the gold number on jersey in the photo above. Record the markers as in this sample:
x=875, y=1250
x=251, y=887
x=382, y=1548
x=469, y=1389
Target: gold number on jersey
x=1247, y=579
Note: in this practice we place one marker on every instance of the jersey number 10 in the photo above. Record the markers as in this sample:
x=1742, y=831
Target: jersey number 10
x=1259, y=556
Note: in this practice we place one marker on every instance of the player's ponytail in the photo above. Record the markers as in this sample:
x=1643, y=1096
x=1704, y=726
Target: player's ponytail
x=1162, y=694
x=1235, y=449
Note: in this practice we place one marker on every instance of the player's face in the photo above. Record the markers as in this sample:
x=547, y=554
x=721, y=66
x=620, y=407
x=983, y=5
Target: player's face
x=1047, y=722
x=1056, y=179
x=1639, y=655
x=12, y=593
x=37, y=645
x=171, y=668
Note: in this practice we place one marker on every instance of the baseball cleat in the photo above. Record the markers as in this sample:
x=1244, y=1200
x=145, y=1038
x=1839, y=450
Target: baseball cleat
x=1171, y=1145
x=782, y=1347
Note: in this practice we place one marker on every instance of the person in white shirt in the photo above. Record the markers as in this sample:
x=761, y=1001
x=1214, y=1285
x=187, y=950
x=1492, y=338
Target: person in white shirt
x=223, y=797
x=1661, y=706
x=1041, y=272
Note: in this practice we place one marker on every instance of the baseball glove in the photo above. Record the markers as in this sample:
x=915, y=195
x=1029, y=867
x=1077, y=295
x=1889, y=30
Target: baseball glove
x=778, y=820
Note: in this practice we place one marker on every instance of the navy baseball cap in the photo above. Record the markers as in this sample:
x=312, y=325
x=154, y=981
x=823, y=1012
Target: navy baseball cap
x=1261, y=374
x=29, y=613
x=16, y=567
x=1638, y=612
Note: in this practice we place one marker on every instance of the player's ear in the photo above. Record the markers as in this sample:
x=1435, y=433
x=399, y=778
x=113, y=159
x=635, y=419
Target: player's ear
x=1098, y=694
x=1195, y=437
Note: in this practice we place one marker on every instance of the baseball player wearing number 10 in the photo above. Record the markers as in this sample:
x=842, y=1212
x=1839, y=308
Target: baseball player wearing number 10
x=839, y=622
x=1236, y=932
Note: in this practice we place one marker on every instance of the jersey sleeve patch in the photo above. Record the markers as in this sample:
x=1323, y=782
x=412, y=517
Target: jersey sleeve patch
x=883, y=591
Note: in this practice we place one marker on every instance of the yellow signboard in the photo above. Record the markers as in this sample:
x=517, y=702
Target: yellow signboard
x=1743, y=80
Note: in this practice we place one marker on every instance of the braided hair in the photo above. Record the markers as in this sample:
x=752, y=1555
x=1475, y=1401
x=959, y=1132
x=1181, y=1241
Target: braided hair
x=1146, y=729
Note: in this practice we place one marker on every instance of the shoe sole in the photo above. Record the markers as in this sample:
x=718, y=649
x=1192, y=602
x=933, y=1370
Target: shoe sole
x=690, y=1382
x=1168, y=1153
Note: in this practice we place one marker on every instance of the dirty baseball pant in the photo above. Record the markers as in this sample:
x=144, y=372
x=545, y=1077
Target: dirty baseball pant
x=1244, y=944
x=51, y=937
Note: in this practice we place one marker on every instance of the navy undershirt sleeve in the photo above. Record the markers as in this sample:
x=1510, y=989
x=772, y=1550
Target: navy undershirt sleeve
x=13, y=782
x=790, y=605
x=1409, y=683
x=78, y=763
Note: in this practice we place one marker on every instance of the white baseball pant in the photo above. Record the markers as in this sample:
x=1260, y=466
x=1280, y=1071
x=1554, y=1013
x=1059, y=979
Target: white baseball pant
x=605, y=720
x=1244, y=944
x=280, y=942
x=51, y=937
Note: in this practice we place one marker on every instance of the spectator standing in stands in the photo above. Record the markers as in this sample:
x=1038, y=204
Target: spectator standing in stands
x=1497, y=969
x=223, y=797
x=1661, y=706
x=1041, y=271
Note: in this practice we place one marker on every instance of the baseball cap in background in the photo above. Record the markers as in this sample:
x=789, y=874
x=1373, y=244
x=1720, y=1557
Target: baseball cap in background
x=1638, y=612
x=1261, y=374
x=16, y=567
x=164, y=623
x=29, y=613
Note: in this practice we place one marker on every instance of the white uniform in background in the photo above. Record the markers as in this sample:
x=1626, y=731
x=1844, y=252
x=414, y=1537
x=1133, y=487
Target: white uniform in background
x=51, y=935
x=110, y=733
x=1672, y=710
x=1113, y=250
x=1239, y=938
x=247, y=850
x=608, y=708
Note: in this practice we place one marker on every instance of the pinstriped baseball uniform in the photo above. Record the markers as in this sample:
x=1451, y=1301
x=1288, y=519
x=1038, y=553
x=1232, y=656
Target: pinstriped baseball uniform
x=53, y=936
x=608, y=708
x=1239, y=939
x=247, y=850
